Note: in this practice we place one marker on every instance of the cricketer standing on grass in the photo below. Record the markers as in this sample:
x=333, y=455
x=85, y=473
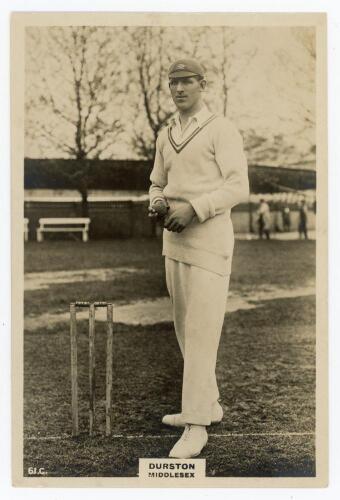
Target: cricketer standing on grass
x=200, y=172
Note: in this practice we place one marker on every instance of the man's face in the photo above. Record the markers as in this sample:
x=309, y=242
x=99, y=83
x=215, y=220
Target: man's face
x=186, y=91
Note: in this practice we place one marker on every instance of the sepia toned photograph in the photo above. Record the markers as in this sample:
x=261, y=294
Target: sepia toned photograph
x=169, y=181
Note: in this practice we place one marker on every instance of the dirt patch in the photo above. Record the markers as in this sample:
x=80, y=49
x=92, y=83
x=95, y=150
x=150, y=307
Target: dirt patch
x=40, y=281
x=150, y=312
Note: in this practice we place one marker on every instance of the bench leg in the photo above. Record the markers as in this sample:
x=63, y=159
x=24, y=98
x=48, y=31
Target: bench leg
x=40, y=236
x=85, y=236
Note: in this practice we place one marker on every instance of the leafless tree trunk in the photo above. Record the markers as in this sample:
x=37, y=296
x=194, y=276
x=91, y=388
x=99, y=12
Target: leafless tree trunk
x=152, y=61
x=223, y=60
x=76, y=81
x=301, y=92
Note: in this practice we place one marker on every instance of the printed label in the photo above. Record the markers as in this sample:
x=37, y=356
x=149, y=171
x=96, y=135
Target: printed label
x=172, y=468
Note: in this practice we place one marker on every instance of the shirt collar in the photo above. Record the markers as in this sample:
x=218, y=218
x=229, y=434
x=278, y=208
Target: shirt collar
x=200, y=117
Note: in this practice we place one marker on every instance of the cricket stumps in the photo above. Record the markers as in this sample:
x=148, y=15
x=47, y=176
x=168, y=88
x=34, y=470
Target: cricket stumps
x=92, y=364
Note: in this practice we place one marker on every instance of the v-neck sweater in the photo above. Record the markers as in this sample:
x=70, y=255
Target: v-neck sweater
x=210, y=172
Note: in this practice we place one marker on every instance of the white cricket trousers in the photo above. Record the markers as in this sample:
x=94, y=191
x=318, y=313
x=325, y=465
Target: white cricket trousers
x=199, y=301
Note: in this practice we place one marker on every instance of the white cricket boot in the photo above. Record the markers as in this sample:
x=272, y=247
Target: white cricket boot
x=191, y=443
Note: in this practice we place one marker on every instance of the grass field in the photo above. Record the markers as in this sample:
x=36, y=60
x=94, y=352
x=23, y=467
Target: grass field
x=258, y=263
x=266, y=367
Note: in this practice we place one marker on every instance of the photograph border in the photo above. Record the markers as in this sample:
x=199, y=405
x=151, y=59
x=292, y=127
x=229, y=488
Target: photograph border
x=19, y=21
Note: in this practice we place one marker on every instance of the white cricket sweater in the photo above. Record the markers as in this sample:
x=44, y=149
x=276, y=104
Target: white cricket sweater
x=209, y=170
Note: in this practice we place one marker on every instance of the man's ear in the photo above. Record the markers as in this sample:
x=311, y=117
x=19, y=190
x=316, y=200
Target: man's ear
x=203, y=84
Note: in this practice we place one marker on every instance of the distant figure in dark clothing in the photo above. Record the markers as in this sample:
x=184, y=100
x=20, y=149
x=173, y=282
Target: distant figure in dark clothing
x=314, y=206
x=303, y=217
x=286, y=219
x=264, y=219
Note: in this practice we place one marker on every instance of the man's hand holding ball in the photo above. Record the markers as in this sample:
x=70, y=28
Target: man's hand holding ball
x=179, y=218
x=159, y=210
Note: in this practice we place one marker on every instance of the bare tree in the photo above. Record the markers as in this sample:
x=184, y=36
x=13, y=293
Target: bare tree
x=275, y=149
x=226, y=60
x=73, y=78
x=227, y=40
x=300, y=69
x=307, y=38
x=290, y=79
x=151, y=61
x=154, y=49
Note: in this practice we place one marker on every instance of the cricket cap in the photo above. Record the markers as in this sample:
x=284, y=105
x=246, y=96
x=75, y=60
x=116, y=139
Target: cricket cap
x=186, y=67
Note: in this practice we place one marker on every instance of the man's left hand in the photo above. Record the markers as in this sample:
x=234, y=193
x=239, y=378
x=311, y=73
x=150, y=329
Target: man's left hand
x=178, y=220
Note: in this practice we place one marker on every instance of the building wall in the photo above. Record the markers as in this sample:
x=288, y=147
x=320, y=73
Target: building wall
x=129, y=218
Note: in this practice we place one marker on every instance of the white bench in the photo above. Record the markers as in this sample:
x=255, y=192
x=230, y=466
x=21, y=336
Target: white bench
x=67, y=224
x=26, y=221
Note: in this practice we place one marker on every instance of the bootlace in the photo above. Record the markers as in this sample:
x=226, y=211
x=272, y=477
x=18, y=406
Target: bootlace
x=186, y=432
